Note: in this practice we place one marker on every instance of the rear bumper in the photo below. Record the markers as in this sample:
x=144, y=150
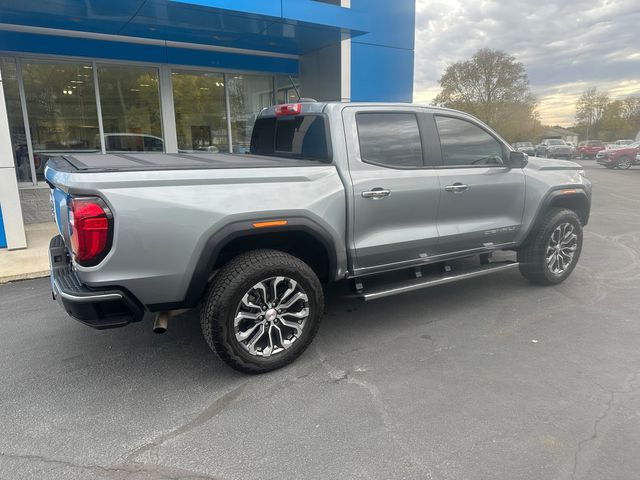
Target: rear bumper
x=99, y=309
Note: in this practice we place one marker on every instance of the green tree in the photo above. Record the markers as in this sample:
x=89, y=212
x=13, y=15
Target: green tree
x=631, y=115
x=494, y=87
x=612, y=124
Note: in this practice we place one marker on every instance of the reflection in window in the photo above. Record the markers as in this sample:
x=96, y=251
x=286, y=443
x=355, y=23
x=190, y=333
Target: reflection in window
x=16, y=121
x=464, y=143
x=61, y=106
x=130, y=103
x=390, y=139
x=201, y=121
x=248, y=95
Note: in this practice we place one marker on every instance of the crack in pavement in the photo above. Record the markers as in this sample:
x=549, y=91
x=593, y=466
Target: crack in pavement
x=627, y=389
x=338, y=375
x=118, y=471
x=211, y=411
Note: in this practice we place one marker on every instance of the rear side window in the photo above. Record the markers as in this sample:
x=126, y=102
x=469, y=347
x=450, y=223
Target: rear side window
x=390, y=139
x=466, y=144
x=300, y=136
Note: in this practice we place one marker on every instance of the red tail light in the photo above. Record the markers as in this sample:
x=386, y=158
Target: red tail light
x=90, y=229
x=288, y=109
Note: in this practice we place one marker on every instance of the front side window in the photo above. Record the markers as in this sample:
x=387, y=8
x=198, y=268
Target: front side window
x=466, y=144
x=390, y=139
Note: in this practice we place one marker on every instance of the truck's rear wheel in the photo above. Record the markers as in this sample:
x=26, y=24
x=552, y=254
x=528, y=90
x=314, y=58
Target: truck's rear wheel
x=551, y=252
x=262, y=310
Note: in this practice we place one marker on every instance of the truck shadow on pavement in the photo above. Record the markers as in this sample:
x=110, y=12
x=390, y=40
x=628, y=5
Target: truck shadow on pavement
x=348, y=323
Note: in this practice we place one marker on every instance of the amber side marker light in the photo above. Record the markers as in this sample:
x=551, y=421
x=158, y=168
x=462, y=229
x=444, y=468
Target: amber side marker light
x=568, y=192
x=270, y=223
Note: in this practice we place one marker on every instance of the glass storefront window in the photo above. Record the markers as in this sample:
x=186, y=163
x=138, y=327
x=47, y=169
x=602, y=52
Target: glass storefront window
x=199, y=103
x=248, y=95
x=130, y=103
x=285, y=89
x=16, y=120
x=61, y=106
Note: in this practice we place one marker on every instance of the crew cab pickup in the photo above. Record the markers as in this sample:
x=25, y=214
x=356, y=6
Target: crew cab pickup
x=390, y=198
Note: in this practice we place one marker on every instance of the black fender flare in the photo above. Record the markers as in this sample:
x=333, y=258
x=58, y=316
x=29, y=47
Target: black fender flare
x=243, y=228
x=564, y=192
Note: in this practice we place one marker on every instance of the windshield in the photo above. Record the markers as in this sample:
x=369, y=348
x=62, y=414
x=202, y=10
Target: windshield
x=556, y=142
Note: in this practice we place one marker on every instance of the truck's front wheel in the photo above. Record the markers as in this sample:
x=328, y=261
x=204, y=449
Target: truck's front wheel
x=552, y=250
x=262, y=310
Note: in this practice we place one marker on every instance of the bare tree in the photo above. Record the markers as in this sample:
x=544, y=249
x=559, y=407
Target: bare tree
x=493, y=86
x=590, y=109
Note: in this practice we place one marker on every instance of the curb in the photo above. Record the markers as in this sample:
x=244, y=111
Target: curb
x=24, y=276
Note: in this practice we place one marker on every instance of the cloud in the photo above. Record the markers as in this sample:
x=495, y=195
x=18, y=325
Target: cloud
x=565, y=46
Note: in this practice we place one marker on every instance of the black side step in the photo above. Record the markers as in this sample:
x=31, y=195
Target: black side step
x=432, y=280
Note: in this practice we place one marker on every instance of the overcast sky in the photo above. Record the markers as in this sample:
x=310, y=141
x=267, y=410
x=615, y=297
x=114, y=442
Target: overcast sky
x=566, y=46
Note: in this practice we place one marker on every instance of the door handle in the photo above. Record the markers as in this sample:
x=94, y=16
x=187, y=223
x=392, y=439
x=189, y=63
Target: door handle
x=376, y=193
x=456, y=187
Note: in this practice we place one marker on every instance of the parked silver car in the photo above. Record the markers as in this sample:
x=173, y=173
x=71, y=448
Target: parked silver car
x=554, y=148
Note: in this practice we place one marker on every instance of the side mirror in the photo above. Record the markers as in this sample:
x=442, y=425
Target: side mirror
x=518, y=159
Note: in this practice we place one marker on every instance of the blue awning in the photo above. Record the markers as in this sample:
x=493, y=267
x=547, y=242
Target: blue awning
x=281, y=26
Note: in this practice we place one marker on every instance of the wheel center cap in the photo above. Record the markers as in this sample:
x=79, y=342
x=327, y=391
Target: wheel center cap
x=270, y=315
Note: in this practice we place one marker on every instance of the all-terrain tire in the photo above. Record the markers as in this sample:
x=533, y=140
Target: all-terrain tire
x=532, y=255
x=226, y=291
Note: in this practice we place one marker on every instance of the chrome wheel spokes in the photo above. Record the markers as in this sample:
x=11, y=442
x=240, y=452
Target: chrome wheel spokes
x=271, y=316
x=561, y=248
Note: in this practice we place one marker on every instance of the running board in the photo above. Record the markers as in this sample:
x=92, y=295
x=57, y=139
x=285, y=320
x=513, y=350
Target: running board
x=433, y=280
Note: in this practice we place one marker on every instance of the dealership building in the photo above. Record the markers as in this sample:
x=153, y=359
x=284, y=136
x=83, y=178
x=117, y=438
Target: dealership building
x=176, y=76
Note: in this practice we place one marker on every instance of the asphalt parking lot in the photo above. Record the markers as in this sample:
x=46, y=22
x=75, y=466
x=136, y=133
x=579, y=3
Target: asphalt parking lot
x=493, y=378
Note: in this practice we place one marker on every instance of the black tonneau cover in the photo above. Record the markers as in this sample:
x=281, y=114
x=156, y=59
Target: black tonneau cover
x=116, y=162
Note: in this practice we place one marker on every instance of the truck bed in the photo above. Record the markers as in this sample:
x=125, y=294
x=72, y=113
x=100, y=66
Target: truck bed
x=97, y=162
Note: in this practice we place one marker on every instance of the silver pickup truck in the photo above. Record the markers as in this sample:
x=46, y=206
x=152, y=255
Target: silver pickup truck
x=387, y=197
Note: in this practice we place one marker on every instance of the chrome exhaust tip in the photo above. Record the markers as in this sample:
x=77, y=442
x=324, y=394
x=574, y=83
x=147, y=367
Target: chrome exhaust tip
x=161, y=323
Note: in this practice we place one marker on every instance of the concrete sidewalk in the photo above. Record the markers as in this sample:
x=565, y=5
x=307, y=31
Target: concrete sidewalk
x=30, y=262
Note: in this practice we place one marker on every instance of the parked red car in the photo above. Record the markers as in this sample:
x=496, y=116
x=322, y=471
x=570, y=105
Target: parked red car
x=590, y=148
x=621, y=157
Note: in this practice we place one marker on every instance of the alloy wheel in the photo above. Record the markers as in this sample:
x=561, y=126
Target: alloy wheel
x=271, y=316
x=561, y=248
x=624, y=163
